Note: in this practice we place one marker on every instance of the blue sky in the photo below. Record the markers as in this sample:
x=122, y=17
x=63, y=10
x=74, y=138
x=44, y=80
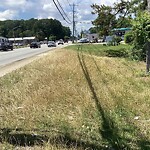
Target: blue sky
x=26, y=9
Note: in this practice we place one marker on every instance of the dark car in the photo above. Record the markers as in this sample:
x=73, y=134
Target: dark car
x=10, y=45
x=51, y=44
x=5, y=44
x=35, y=45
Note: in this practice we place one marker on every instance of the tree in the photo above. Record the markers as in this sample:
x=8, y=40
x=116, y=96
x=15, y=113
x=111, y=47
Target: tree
x=116, y=16
x=148, y=42
x=43, y=26
x=104, y=20
x=110, y=17
x=93, y=30
x=33, y=27
x=140, y=31
x=65, y=32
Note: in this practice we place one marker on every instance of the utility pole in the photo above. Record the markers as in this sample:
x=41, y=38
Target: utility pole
x=14, y=32
x=148, y=45
x=73, y=22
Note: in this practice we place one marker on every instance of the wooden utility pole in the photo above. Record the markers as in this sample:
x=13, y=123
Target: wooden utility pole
x=73, y=22
x=148, y=45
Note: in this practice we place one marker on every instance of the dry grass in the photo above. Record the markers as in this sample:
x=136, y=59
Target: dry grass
x=70, y=100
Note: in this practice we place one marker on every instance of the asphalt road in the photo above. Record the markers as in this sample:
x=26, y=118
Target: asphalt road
x=8, y=57
x=12, y=60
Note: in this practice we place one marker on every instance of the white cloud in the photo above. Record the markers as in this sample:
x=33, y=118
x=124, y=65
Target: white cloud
x=107, y=2
x=8, y=14
x=12, y=3
x=15, y=9
x=21, y=5
x=83, y=11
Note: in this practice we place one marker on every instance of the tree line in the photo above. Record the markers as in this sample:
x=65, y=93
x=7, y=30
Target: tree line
x=51, y=29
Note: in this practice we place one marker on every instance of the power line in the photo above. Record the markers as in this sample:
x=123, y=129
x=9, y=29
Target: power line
x=61, y=12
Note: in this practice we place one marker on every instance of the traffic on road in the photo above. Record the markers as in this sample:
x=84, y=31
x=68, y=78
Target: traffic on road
x=9, y=56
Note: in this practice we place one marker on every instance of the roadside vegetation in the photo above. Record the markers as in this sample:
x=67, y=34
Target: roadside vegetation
x=122, y=50
x=76, y=98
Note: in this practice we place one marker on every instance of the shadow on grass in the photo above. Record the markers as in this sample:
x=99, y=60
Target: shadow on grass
x=143, y=143
x=109, y=129
x=68, y=142
x=23, y=139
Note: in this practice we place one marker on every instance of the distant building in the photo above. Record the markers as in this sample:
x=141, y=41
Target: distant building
x=28, y=40
x=24, y=40
x=120, y=31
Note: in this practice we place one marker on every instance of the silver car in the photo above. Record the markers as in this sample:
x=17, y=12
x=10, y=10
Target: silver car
x=51, y=44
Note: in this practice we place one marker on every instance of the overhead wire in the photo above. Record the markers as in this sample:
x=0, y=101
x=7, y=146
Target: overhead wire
x=68, y=21
x=63, y=10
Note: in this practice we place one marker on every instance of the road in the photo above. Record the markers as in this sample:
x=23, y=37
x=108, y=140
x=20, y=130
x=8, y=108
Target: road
x=11, y=60
x=8, y=57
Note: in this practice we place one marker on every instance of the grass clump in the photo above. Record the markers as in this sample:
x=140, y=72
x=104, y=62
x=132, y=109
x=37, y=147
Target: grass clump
x=73, y=100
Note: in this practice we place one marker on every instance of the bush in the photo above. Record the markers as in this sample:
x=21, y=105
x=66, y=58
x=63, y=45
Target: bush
x=115, y=41
x=141, y=34
x=128, y=38
x=118, y=39
x=116, y=52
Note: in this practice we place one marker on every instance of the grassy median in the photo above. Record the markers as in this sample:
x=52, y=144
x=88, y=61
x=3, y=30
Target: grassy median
x=75, y=100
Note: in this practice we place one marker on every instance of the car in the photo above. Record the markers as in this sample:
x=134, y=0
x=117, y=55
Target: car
x=51, y=44
x=10, y=45
x=5, y=44
x=18, y=44
x=83, y=40
x=35, y=45
x=60, y=42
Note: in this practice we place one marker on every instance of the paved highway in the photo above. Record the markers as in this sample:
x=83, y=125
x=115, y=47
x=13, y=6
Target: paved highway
x=8, y=57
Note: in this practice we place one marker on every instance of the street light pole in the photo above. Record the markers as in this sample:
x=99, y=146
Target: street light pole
x=14, y=32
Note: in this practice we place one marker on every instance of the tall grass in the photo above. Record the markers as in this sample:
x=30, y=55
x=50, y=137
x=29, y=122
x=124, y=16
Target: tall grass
x=75, y=100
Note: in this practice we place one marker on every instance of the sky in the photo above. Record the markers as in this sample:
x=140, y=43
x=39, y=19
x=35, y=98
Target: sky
x=41, y=9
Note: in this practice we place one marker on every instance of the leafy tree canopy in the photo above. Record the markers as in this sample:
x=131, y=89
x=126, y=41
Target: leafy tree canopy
x=116, y=16
x=43, y=28
x=141, y=34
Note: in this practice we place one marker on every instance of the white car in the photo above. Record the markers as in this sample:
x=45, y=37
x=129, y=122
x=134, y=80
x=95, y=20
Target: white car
x=60, y=42
x=83, y=40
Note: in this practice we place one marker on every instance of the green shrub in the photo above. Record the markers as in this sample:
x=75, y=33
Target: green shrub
x=118, y=39
x=116, y=52
x=115, y=41
x=128, y=38
x=141, y=35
